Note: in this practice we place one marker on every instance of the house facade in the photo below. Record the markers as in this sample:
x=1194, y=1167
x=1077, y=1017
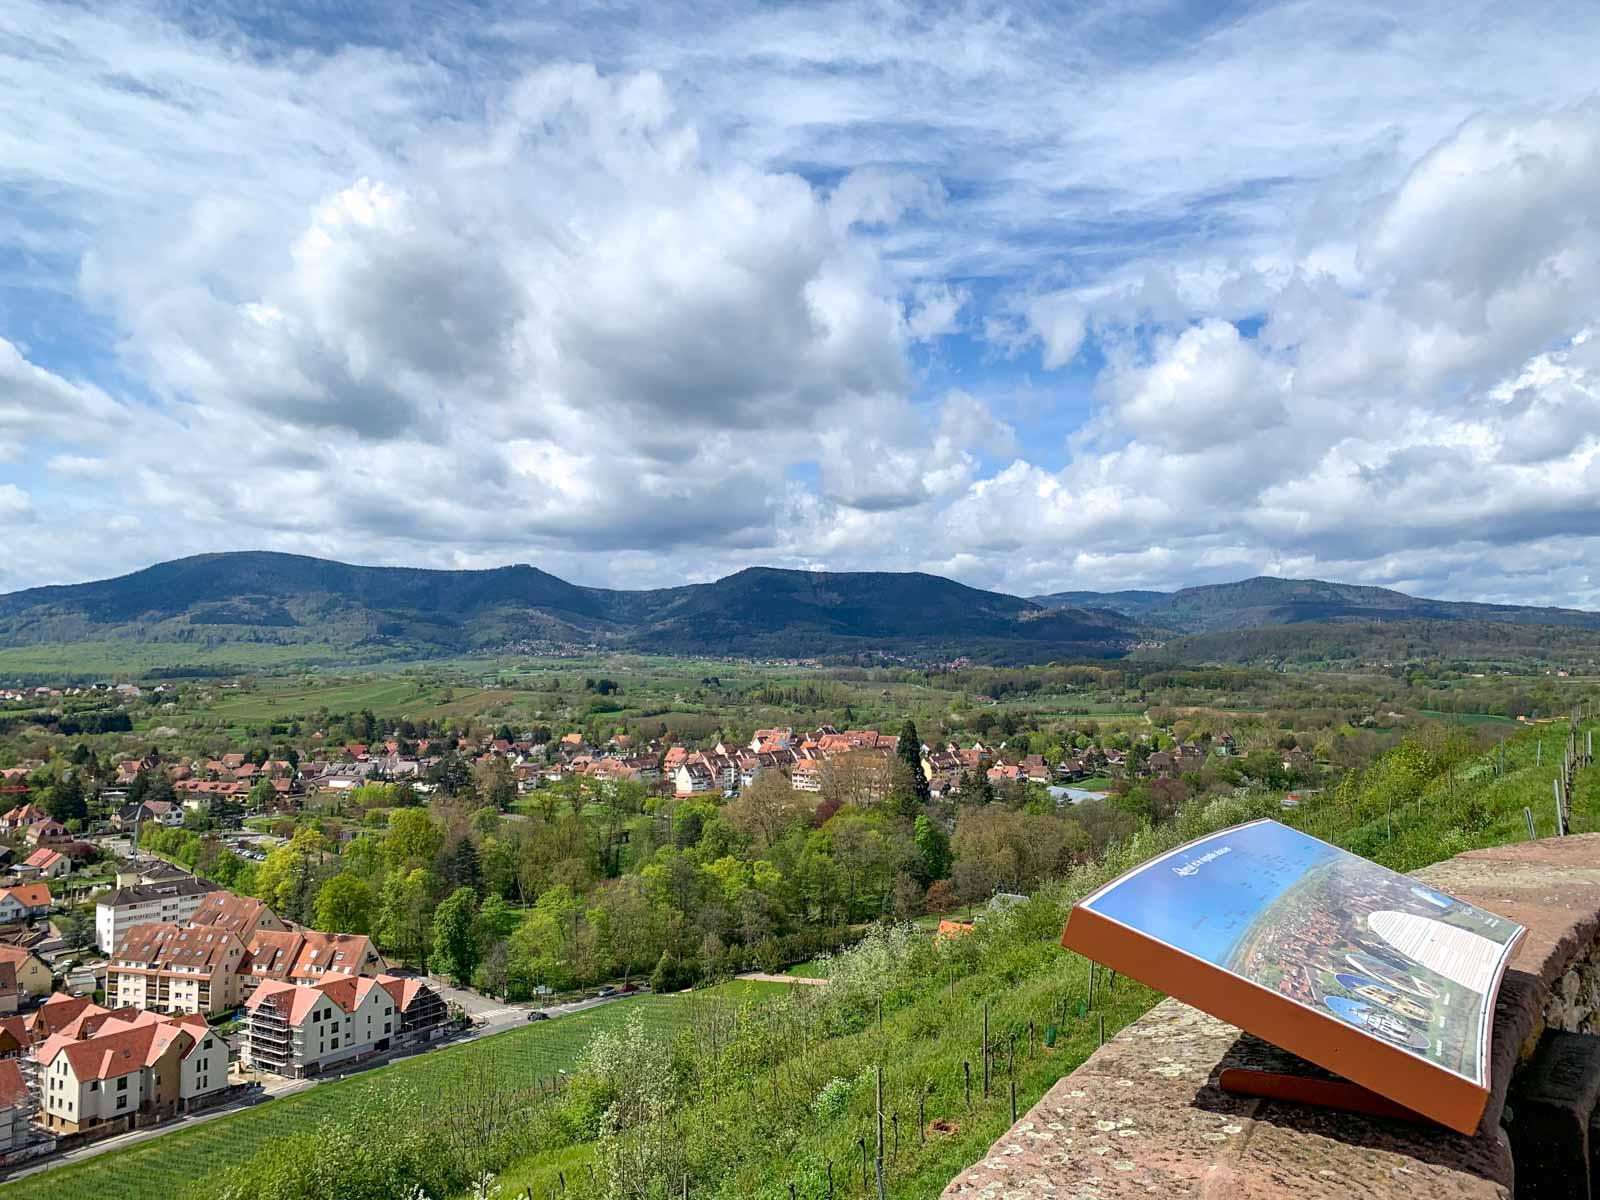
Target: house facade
x=33, y=976
x=25, y=902
x=45, y=863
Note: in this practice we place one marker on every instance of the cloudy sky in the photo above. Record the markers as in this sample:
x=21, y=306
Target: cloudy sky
x=1065, y=296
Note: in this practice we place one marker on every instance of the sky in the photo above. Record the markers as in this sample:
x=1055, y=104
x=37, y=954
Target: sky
x=1038, y=297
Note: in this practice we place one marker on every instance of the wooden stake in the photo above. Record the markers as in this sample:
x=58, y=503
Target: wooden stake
x=985, y=1049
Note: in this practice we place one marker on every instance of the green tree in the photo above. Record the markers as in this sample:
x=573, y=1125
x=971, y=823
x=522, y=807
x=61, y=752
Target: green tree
x=65, y=800
x=344, y=905
x=413, y=839
x=933, y=849
x=263, y=795
x=403, y=924
x=455, y=944
x=288, y=879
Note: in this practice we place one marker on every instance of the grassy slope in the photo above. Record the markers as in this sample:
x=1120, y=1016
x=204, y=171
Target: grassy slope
x=165, y=1166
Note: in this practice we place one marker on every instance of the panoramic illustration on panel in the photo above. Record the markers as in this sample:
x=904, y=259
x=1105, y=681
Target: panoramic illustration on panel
x=1331, y=931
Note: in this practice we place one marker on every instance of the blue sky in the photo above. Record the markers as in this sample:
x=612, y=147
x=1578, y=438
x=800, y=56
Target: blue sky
x=1035, y=296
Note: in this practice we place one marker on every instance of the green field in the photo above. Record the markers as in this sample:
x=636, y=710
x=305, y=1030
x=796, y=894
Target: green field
x=748, y=989
x=164, y=1167
x=91, y=660
x=1451, y=718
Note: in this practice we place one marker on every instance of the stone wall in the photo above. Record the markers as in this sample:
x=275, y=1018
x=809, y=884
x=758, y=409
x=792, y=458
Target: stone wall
x=1144, y=1117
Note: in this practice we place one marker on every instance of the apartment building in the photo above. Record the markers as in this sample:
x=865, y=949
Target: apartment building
x=166, y=903
x=306, y=956
x=176, y=969
x=241, y=916
x=296, y=1030
x=138, y=1070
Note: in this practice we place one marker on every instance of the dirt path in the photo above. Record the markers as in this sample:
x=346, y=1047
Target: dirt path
x=763, y=977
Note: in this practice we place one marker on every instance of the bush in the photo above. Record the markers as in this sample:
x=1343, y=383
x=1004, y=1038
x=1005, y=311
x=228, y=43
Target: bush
x=673, y=974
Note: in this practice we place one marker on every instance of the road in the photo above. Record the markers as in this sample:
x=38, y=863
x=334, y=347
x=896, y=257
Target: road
x=488, y=1016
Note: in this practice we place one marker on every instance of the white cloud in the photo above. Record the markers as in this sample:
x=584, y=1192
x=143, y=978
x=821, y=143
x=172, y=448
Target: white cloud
x=652, y=299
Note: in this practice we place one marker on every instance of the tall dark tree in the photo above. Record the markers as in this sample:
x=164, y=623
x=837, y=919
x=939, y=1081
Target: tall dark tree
x=65, y=801
x=909, y=749
x=461, y=867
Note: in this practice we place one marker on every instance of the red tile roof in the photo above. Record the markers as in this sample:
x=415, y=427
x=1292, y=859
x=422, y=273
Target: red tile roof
x=14, y=1089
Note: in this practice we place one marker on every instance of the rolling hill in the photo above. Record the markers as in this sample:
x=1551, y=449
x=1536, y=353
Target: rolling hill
x=1265, y=602
x=283, y=609
x=288, y=600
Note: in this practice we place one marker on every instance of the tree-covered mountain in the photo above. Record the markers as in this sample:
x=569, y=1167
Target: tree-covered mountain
x=289, y=599
x=310, y=609
x=1265, y=601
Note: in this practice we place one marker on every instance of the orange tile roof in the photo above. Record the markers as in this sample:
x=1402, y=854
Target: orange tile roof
x=30, y=895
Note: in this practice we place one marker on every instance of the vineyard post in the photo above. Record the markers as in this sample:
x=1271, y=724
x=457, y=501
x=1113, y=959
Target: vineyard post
x=1528, y=812
x=894, y=1154
x=922, y=1119
x=830, y=1179
x=1102, y=1029
x=985, y=1049
x=966, y=1069
x=879, y=1104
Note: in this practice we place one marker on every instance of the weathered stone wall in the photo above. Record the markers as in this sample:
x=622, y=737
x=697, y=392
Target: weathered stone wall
x=1144, y=1116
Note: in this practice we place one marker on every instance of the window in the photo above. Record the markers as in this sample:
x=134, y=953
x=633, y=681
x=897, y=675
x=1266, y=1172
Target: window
x=335, y=1044
x=122, y=1084
x=122, y=1102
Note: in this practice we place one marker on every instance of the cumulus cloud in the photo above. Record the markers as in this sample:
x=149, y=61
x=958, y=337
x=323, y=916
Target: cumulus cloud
x=864, y=286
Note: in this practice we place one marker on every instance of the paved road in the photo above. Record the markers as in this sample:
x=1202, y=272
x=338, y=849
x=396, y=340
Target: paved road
x=489, y=1017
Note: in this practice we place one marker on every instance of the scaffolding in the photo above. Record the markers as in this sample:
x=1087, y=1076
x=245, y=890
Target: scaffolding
x=270, y=1042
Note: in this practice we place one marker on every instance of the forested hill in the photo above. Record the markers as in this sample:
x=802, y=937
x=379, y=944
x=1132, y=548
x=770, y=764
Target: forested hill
x=308, y=609
x=257, y=597
x=1265, y=602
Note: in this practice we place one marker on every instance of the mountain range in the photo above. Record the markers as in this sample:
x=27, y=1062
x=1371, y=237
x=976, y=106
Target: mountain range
x=361, y=612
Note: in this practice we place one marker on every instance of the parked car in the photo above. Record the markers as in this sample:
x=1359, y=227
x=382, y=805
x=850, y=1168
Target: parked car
x=538, y=1014
x=606, y=991
x=627, y=989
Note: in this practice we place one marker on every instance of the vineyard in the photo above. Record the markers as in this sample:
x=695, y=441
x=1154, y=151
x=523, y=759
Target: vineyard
x=169, y=1167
